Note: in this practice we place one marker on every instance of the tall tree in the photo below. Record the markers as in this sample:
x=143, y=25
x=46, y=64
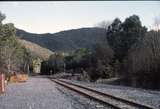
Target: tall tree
x=121, y=36
x=144, y=61
x=114, y=35
x=13, y=56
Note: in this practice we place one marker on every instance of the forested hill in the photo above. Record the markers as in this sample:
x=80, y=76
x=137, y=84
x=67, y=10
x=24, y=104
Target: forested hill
x=66, y=40
x=36, y=50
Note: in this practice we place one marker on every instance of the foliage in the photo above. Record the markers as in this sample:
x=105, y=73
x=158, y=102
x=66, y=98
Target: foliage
x=121, y=36
x=144, y=60
x=65, y=41
x=36, y=65
x=129, y=51
x=54, y=64
x=36, y=50
x=13, y=56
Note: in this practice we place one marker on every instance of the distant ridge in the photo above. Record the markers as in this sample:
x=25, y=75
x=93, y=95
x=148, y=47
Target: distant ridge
x=67, y=40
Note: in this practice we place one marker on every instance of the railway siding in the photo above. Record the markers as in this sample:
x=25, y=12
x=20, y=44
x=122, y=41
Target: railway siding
x=148, y=97
x=115, y=101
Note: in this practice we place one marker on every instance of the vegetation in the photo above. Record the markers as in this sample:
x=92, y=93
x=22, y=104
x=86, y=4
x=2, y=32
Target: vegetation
x=13, y=56
x=36, y=50
x=130, y=51
x=144, y=61
x=121, y=36
x=136, y=52
x=65, y=41
x=113, y=49
x=54, y=64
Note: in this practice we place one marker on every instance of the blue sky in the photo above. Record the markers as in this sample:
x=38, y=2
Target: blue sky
x=43, y=17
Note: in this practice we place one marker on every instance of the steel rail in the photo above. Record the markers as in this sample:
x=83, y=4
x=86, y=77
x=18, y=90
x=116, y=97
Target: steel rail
x=73, y=86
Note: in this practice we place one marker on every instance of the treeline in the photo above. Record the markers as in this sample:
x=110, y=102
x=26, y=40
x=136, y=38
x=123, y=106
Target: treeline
x=130, y=52
x=143, y=61
x=14, y=58
x=137, y=52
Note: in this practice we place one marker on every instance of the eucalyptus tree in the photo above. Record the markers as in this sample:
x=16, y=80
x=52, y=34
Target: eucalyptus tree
x=13, y=56
x=122, y=36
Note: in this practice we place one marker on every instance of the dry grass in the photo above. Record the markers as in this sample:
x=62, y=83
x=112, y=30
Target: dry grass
x=18, y=78
x=36, y=49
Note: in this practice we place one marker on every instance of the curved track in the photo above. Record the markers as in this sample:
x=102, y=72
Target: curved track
x=113, y=101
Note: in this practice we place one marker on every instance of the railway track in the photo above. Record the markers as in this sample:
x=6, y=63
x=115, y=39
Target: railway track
x=113, y=101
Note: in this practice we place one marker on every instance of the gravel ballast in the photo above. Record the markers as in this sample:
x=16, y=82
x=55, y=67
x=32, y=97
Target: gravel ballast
x=81, y=102
x=148, y=97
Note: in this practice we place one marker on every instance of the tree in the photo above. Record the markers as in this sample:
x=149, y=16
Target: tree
x=133, y=31
x=13, y=56
x=114, y=35
x=144, y=61
x=56, y=63
x=7, y=41
x=103, y=52
x=121, y=36
x=104, y=55
x=36, y=64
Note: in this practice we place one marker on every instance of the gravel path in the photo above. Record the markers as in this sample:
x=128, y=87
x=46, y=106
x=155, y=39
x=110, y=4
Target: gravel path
x=136, y=94
x=42, y=93
x=36, y=93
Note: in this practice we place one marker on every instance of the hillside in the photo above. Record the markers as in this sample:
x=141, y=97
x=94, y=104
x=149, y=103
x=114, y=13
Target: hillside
x=66, y=40
x=36, y=49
